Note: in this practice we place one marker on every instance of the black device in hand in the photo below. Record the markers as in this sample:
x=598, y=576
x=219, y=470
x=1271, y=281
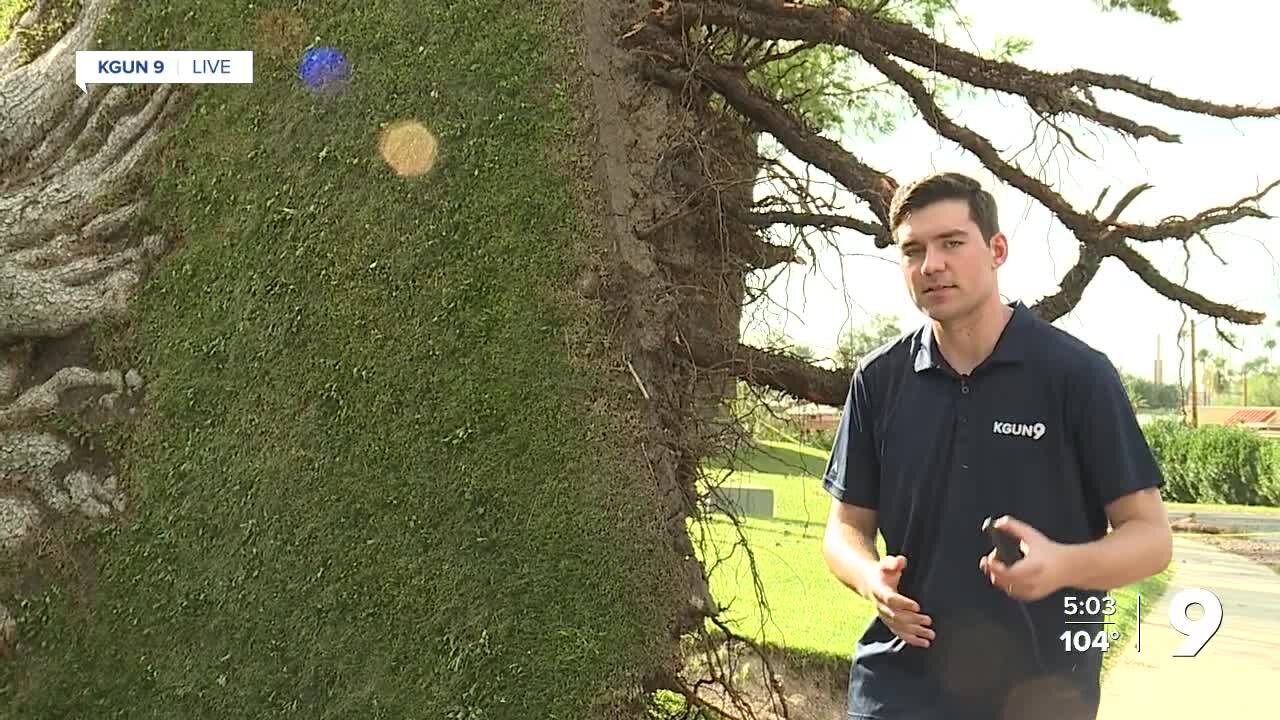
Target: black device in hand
x=1008, y=550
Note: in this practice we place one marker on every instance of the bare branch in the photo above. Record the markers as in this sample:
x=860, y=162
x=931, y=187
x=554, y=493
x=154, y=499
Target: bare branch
x=1163, y=97
x=818, y=220
x=1071, y=289
x=1124, y=202
x=1048, y=93
x=779, y=56
x=1172, y=290
x=1083, y=226
x=777, y=370
x=1212, y=250
x=1183, y=228
x=1062, y=132
x=889, y=47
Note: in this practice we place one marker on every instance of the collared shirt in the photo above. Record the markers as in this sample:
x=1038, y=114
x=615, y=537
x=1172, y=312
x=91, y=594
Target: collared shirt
x=1042, y=430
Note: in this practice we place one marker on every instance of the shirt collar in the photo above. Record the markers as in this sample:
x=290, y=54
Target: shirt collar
x=1011, y=348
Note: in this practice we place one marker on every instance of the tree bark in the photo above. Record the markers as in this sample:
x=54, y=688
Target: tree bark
x=70, y=255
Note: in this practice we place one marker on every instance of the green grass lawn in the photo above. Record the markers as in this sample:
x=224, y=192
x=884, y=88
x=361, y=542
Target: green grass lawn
x=808, y=609
x=799, y=604
x=1125, y=617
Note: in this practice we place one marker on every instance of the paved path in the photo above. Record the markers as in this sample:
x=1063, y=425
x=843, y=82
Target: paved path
x=1237, y=520
x=1235, y=676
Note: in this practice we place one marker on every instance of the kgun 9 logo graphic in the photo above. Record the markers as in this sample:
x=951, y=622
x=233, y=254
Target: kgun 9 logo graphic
x=127, y=67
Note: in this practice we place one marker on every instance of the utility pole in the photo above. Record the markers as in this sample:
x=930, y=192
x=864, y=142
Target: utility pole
x=1158, y=379
x=1246, y=388
x=1195, y=410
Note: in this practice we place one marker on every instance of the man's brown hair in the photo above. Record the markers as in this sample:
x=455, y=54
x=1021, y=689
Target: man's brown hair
x=946, y=186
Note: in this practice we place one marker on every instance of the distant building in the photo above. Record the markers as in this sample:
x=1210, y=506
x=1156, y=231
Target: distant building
x=808, y=417
x=1264, y=420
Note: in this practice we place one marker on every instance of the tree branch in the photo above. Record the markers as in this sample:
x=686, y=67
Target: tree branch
x=1048, y=92
x=1071, y=289
x=818, y=220
x=1172, y=290
x=887, y=45
x=779, y=371
x=1183, y=229
x=1084, y=227
x=664, y=53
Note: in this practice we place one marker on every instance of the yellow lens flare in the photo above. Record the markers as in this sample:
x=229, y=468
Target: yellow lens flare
x=409, y=148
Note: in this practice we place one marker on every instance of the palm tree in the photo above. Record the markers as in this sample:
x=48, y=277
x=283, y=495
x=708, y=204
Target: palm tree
x=1135, y=395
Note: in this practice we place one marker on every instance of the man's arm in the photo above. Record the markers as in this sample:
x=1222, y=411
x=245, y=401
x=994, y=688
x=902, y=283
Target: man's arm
x=1121, y=472
x=852, y=478
x=849, y=546
x=1139, y=545
x=1121, y=475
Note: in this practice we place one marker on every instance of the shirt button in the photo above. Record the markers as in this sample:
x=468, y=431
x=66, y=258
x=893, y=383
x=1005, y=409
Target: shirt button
x=965, y=467
x=963, y=419
x=964, y=389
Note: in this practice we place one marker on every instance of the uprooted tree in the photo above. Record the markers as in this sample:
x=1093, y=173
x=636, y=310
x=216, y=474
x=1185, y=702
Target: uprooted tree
x=687, y=92
x=710, y=54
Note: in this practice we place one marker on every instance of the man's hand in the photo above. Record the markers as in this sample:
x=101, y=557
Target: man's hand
x=1040, y=572
x=900, y=613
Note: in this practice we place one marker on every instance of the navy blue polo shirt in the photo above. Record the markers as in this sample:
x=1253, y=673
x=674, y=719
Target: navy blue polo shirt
x=1041, y=430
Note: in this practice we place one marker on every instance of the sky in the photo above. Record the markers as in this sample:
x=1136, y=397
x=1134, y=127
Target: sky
x=1221, y=51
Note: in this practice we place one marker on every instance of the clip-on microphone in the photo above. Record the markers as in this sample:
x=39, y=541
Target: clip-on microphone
x=1009, y=551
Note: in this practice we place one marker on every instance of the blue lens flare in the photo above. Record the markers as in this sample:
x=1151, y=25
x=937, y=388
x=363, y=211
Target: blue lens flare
x=324, y=69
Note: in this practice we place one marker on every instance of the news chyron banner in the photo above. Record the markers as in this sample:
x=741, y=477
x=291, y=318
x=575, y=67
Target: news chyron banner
x=185, y=67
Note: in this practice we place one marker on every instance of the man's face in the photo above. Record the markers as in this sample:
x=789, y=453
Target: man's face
x=949, y=269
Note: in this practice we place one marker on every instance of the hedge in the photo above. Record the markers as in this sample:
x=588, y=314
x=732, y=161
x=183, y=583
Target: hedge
x=1214, y=464
x=1209, y=464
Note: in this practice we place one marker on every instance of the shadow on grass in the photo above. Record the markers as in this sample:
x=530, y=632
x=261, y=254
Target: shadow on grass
x=772, y=459
x=794, y=528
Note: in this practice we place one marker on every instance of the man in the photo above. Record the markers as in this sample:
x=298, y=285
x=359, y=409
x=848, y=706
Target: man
x=985, y=411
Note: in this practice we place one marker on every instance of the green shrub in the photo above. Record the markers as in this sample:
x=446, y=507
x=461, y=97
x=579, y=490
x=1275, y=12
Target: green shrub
x=1215, y=464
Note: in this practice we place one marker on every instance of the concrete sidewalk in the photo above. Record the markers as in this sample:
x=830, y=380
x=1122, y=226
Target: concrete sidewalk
x=1236, y=675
